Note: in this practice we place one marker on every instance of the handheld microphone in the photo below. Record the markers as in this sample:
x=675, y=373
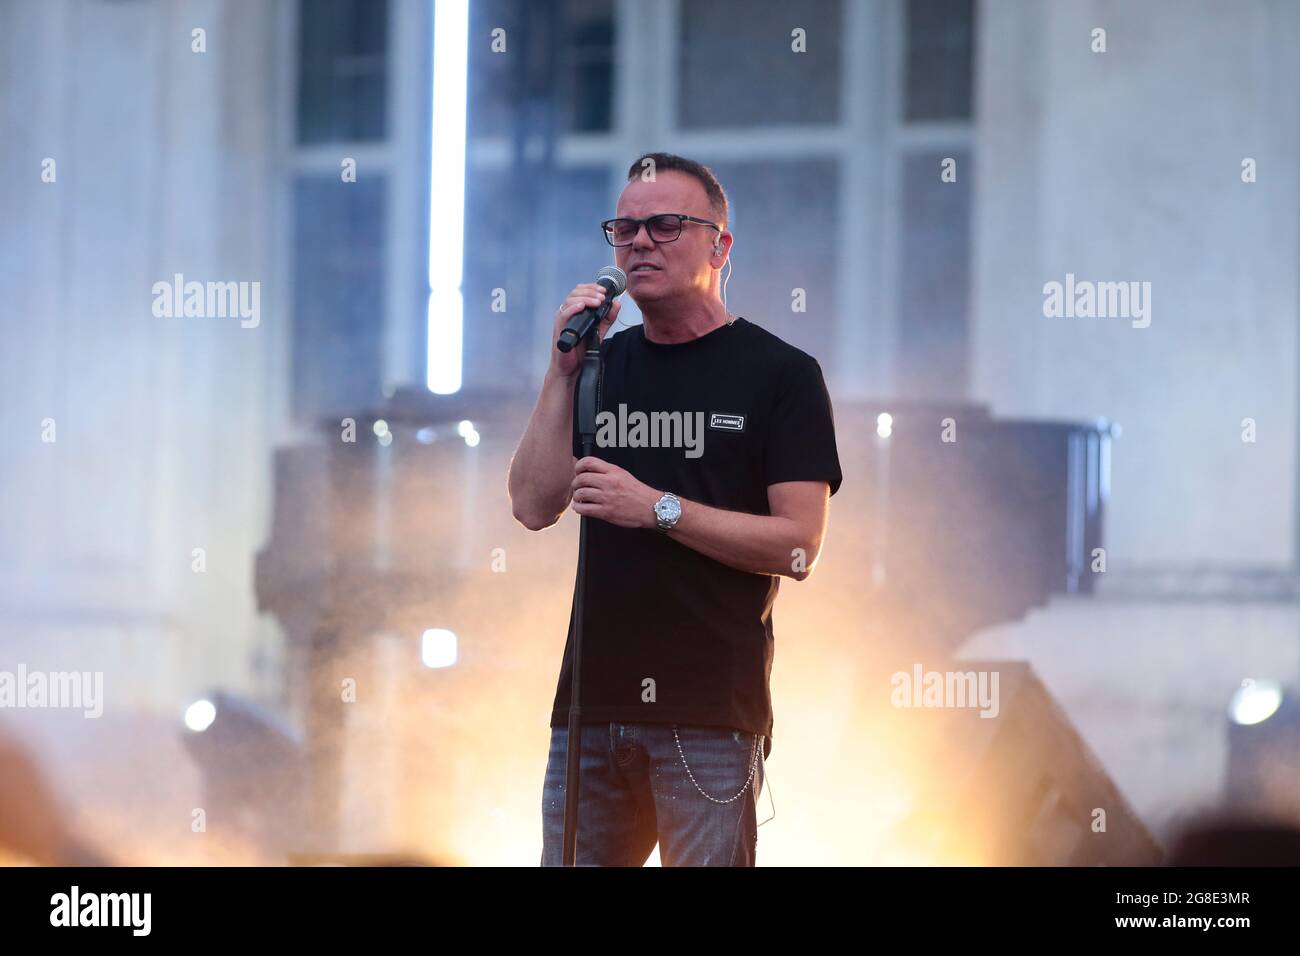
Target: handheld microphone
x=614, y=281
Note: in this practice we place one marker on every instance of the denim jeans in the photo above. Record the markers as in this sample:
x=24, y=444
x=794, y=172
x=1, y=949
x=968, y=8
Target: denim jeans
x=635, y=791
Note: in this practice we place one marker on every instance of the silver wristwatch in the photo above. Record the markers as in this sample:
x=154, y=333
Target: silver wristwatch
x=667, y=510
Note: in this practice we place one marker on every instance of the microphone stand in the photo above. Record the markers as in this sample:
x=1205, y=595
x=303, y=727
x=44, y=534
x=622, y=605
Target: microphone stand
x=586, y=405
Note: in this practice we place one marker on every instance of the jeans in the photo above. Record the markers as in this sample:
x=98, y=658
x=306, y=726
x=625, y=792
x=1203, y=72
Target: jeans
x=635, y=791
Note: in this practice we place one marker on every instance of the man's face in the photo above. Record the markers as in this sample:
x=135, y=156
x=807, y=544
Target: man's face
x=658, y=271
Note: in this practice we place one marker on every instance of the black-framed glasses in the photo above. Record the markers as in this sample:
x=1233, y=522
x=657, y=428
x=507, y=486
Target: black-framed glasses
x=664, y=227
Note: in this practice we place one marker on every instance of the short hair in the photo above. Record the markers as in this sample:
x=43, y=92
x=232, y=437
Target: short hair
x=669, y=162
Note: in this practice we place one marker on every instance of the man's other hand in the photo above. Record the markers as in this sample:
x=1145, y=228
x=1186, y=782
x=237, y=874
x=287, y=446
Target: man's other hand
x=610, y=493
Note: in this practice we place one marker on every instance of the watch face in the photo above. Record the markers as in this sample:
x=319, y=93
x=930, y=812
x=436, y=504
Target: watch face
x=668, y=509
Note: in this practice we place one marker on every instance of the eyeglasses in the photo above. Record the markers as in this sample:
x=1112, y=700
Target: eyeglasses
x=664, y=227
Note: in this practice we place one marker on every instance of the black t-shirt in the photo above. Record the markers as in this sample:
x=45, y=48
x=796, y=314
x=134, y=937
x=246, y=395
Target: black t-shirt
x=752, y=411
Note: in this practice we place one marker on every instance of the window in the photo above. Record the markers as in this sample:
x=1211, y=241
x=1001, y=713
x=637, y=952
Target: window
x=354, y=241
x=933, y=296
x=932, y=271
x=534, y=244
x=342, y=70
x=532, y=208
x=738, y=68
x=338, y=283
x=556, y=70
x=940, y=59
x=785, y=214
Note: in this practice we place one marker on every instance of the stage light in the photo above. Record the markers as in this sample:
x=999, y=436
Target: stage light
x=447, y=196
x=386, y=439
x=200, y=715
x=426, y=435
x=1263, y=772
x=381, y=427
x=467, y=431
x=438, y=647
x=1255, y=702
x=253, y=766
x=884, y=424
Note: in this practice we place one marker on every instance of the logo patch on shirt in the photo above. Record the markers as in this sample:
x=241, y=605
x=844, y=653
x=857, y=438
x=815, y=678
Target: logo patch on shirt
x=726, y=423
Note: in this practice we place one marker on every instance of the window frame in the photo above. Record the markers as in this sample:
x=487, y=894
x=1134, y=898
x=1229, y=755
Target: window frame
x=401, y=157
x=870, y=145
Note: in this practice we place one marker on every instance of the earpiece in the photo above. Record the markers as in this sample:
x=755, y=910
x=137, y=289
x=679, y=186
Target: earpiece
x=717, y=248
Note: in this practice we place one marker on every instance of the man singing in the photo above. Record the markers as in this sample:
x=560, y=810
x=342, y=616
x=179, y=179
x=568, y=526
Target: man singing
x=687, y=545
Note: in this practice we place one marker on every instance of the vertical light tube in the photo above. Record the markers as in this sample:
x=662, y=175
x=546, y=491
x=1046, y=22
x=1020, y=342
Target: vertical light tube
x=446, y=309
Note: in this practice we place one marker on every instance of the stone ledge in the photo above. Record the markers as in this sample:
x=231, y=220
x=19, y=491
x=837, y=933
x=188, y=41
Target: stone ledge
x=1199, y=584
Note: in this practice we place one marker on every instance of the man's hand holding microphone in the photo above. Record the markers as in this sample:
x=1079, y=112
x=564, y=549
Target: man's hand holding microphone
x=543, y=470
x=585, y=306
